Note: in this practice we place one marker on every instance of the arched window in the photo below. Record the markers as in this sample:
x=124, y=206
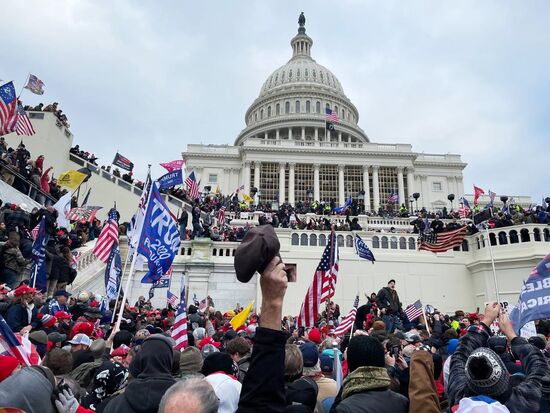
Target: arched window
x=255, y=116
x=536, y=234
x=327, y=105
x=214, y=251
x=290, y=74
x=375, y=242
x=340, y=239
x=492, y=238
x=269, y=111
x=295, y=239
x=308, y=106
x=546, y=235
x=322, y=240
x=336, y=110
x=502, y=238
x=313, y=240
x=304, y=239
x=297, y=107
x=261, y=114
x=402, y=243
x=277, y=109
x=287, y=107
x=349, y=241
x=343, y=114
x=385, y=243
x=318, y=107
x=514, y=239
x=465, y=246
x=393, y=243
x=412, y=243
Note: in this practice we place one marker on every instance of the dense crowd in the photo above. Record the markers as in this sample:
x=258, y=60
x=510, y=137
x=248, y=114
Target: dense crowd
x=52, y=107
x=435, y=362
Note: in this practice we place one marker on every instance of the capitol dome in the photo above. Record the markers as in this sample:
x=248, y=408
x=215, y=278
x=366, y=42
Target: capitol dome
x=294, y=99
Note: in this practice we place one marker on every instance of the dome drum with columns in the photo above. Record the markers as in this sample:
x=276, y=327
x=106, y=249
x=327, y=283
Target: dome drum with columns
x=287, y=153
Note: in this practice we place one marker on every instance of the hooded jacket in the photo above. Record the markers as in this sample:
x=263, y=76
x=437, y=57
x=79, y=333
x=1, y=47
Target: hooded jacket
x=28, y=390
x=153, y=370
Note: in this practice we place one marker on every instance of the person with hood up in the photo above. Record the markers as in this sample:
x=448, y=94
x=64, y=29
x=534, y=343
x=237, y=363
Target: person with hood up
x=29, y=390
x=478, y=376
x=152, y=371
x=366, y=388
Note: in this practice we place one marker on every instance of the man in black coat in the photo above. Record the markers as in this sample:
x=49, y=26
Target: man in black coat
x=390, y=306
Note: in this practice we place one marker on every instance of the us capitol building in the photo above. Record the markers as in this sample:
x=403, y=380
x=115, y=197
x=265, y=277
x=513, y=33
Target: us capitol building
x=288, y=155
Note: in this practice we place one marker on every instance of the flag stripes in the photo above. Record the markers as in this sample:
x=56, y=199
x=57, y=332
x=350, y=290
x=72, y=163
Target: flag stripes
x=179, y=330
x=107, y=237
x=414, y=310
x=192, y=186
x=8, y=108
x=443, y=241
x=23, y=125
x=348, y=320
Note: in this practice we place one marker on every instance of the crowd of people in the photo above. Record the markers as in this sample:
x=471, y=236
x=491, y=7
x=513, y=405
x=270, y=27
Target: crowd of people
x=52, y=107
x=384, y=363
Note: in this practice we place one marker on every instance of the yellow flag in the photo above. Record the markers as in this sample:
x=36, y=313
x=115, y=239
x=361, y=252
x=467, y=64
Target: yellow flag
x=246, y=198
x=240, y=318
x=71, y=179
x=218, y=191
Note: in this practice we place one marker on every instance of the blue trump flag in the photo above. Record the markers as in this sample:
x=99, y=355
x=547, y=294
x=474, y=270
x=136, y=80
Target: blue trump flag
x=171, y=179
x=160, y=239
x=113, y=273
x=363, y=250
x=534, y=299
x=39, y=276
x=341, y=209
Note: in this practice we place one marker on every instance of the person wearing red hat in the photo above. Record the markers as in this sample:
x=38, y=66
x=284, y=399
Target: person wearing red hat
x=49, y=323
x=8, y=365
x=314, y=335
x=22, y=313
x=208, y=340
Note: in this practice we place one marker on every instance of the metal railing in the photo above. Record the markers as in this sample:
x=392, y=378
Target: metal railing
x=32, y=185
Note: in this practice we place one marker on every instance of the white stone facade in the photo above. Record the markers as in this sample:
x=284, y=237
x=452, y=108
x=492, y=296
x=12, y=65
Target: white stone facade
x=286, y=151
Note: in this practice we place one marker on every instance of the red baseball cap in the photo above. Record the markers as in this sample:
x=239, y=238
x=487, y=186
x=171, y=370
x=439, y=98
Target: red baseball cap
x=209, y=340
x=23, y=289
x=62, y=315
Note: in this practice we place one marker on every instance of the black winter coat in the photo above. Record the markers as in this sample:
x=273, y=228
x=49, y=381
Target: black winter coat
x=524, y=397
x=385, y=299
x=373, y=401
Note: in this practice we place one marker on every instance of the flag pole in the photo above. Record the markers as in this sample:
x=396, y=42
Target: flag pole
x=124, y=297
x=426, y=320
x=492, y=263
x=25, y=84
x=120, y=284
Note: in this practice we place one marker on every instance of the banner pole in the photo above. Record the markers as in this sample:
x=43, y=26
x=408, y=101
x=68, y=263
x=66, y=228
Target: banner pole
x=492, y=264
x=121, y=311
x=426, y=320
x=120, y=285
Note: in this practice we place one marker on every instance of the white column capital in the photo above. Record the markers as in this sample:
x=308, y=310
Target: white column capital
x=247, y=164
x=341, y=167
x=316, y=166
x=282, y=165
x=291, y=165
x=375, y=168
x=400, y=169
x=410, y=170
x=366, y=168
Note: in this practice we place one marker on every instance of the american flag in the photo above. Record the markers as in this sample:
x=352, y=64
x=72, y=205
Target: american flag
x=107, y=237
x=443, y=241
x=11, y=345
x=179, y=330
x=393, y=198
x=192, y=186
x=35, y=230
x=414, y=310
x=463, y=212
x=322, y=286
x=331, y=116
x=83, y=214
x=465, y=203
x=23, y=125
x=35, y=85
x=348, y=320
x=221, y=215
x=239, y=188
x=76, y=256
x=171, y=298
x=8, y=108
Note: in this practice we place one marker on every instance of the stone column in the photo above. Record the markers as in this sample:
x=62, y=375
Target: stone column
x=401, y=186
x=366, y=187
x=341, y=188
x=316, y=187
x=327, y=135
x=339, y=136
x=291, y=166
x=316, y=136
x=266, y=135
x=375, y=187
x=282, y=183
x=289, y=133
x=257, y=168
x=303, y=133
x=410, y=182
x=226, y=180
x=277, y=134
x=246, y=177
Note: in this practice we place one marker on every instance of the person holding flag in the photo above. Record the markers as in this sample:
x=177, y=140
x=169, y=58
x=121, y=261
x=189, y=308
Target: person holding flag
x=39, y=275
x=113, y=273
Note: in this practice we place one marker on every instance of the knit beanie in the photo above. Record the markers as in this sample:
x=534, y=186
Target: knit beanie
x=7, y=365
x=365, y=351
x=190, y=361
x=486, y=373
x=48, y=320
x=217, y=362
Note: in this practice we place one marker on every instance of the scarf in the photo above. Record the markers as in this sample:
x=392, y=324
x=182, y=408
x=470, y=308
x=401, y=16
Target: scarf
x=365, y=378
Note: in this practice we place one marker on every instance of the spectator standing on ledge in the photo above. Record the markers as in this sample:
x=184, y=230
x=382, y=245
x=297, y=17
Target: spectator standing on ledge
x=390, y=306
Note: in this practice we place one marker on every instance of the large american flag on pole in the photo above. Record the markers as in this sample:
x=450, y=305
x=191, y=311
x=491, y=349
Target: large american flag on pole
x=8, y=108
x=179, y=330
x=192, y=186
x=331, y=117
x=323, y=285
x=23, y=124
x=107, y=237
x=348, y=320
x=443, y=241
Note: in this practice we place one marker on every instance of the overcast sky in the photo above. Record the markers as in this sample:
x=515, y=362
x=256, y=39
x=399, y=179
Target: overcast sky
x=148, y=78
